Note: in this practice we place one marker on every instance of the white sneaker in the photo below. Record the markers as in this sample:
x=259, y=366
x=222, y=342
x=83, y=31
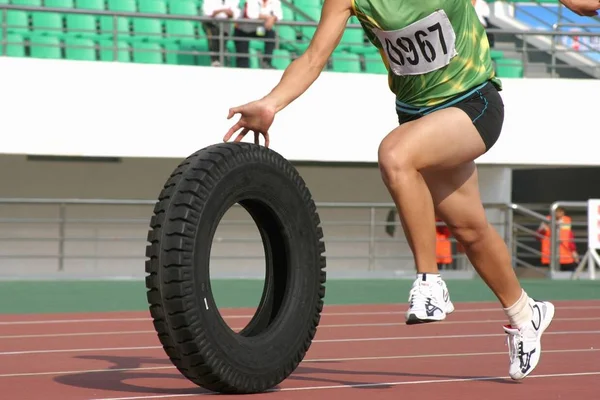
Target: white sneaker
x=429, y=300
x=524, y=345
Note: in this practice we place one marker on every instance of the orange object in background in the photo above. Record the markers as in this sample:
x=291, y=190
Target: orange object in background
x=567, y=248
x=443, y=246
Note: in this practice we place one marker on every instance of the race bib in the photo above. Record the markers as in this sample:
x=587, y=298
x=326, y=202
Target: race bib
x=424, y=46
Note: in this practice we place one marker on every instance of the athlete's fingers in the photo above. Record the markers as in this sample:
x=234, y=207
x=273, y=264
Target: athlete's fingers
x=233, y=111
x=256, y=137
x=266, y=135
x=231, y=131
x=241, y=135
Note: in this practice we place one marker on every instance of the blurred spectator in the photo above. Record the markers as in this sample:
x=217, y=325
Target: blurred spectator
x=483, y=12
x=443, y=246
x=220, y=10
x=269, y=11
x=568, y=256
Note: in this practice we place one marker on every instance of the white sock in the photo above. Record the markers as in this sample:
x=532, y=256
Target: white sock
x=427, y=277
x=519, y=313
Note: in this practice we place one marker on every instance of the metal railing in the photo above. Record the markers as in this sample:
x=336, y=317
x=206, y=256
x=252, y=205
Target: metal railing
x=354, y=233
x=292, y=36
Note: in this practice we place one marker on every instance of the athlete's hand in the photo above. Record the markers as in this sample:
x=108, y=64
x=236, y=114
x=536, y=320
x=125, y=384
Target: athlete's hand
x=256, y=116
x=587, y=8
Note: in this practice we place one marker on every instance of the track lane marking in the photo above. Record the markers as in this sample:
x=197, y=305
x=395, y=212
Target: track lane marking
x=309, y=361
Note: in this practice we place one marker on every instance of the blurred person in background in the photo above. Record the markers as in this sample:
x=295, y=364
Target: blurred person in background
x=568, y=255
x=220, y=10
x=269, y=12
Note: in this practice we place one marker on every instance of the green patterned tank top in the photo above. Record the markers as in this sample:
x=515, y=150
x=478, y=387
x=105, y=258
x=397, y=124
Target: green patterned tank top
x=433, y=49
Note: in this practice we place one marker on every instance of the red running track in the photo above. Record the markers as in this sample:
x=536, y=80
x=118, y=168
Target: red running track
x=359, y=351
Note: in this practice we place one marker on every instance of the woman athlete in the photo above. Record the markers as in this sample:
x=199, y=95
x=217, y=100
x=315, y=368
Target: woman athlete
x=449, y=113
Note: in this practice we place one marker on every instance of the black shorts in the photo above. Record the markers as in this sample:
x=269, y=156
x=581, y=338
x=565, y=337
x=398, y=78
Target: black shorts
x=482, y=104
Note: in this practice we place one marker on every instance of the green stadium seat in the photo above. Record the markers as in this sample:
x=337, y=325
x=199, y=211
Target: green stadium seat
x=307, y=32
x=107, y=27
x=288, y=13
x=152, y=6
x=45, y=23
x=80, y=49
x=180, y=31
x=496, y=54
x=287, y=38
x=122, y=5
x=79, y=25
x=146, y=29
x=281, y=59
x=59, y=3
x=374, y=64
x=45, y=47
x=146, y=53
x=107, y=51
x=15, y=46
x=342, y=61
x=183, y=7
x=352, y=39
x=17, y=22
x=174, y=57
x=254, y=62
x=90, y=4
x=200, y=46
x=509, y=68
x=30, y=3
x=302, y=4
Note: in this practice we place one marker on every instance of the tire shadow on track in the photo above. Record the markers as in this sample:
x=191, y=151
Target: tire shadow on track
x=119, y=380
x=314, y=374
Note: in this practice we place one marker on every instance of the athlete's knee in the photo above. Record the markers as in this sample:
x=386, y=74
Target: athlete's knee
x=471, y=233
x=394, y=161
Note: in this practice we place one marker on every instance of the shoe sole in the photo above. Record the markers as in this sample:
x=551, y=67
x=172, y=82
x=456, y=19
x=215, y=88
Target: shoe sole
x=412, y=319
x=547, y=321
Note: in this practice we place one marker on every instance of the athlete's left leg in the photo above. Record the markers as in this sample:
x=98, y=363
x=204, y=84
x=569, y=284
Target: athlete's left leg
x=455, y=194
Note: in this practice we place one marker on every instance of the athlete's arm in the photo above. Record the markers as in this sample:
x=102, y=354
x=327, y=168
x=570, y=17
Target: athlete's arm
x=303, y=71
x=587, y=8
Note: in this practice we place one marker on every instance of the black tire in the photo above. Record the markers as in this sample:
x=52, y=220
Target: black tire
x=193, y=334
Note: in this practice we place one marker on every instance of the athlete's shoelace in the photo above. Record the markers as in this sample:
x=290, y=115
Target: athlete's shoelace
x=420, y=292
x=515, y=346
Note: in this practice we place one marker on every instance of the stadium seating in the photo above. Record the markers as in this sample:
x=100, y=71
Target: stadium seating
x=155, y=40
x=546, y=14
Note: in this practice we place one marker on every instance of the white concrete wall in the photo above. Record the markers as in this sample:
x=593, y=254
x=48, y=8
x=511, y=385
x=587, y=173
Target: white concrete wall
x=143, y=179
x=132, y=110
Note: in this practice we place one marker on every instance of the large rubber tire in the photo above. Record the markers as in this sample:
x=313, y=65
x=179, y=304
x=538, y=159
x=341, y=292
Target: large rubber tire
x=193, y=334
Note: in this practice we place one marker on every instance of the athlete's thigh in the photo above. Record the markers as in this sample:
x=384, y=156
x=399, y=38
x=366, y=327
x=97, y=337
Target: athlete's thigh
x=456, y=197
x=442, y=139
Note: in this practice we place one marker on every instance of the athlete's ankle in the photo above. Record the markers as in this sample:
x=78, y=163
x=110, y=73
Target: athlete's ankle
x=519, y=313
x=429, y=276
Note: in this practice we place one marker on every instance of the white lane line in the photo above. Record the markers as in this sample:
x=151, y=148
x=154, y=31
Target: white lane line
x=364, y=385
x=73, y=321
x=366, y=325
x=324, y=314
x=59, y=335
x=310, y=361
x=369, y=339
